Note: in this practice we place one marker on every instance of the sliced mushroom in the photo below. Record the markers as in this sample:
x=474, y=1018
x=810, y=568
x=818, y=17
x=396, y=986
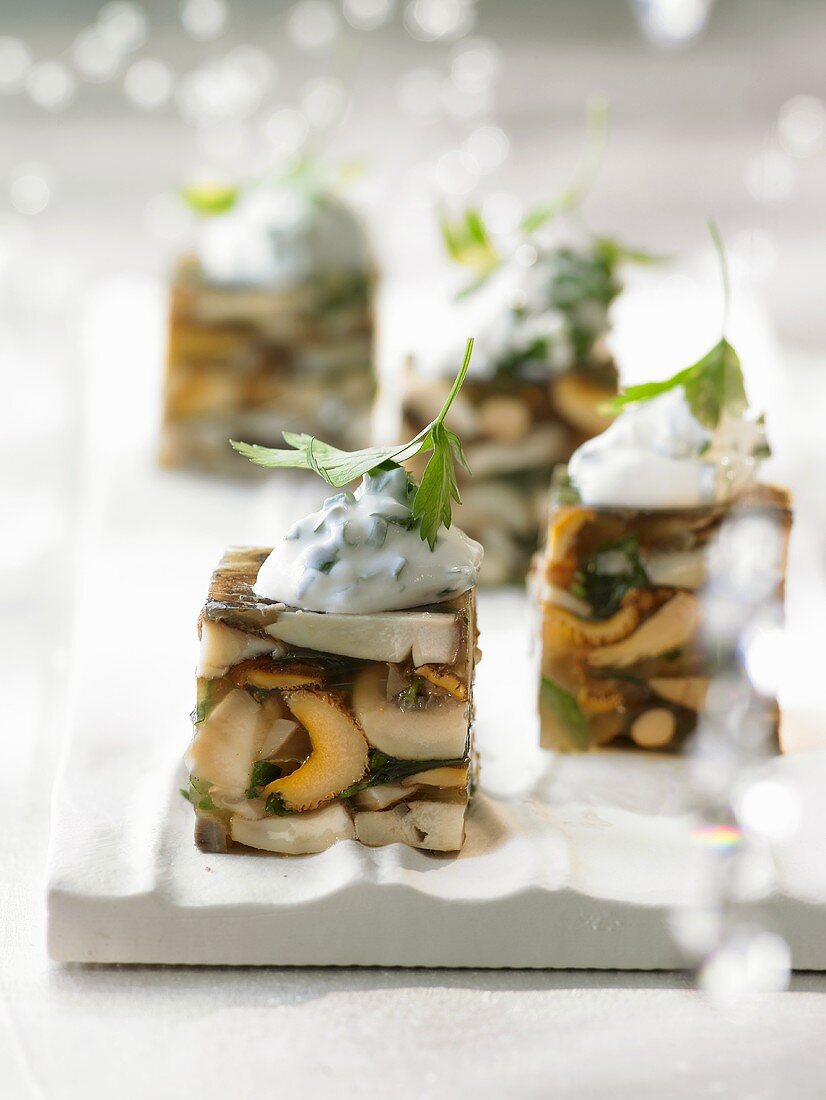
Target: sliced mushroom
x=267, y=677
x=438, y=777
x=296, y=834
x=686, y=691
x=561, y=597
x=592, y=701
x=225, y=745
x=338, y=757
x=438, y=731
x=505, y=419
x=563, y=629
x=443, y=676
x=578, y=401
x=381, y=796
x=430, y=637
x=675, y=568
x=223, y=646
x=672, y=627
x=435, y=826
x=654, y=728
x=562, y=561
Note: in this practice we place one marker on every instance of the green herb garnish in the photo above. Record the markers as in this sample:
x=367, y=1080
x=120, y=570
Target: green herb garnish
x=468, y=242
x=263, y=772
x=210, y=198
x=274, y=806
x=604, y=588
x=590, y=159
x=567, y=710
x=209, y=695
x=437, y=489
x=199, y=794
x=714, y=384
x=386, y=769
x=408, y=696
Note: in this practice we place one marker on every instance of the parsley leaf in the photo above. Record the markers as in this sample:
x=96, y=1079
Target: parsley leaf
x=274, y=806
x=596, y=136
x=608, y=574
x=468, y=242
x=568, y=712
x=438, y=488
x=387, y=769
x=210, y=198
x=713, y=385
x=263, y=772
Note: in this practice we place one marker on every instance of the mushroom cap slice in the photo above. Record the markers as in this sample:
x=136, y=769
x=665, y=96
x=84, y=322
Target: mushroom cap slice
x=339, y=751
x=438, y=732
x=562, y=629
x=295, y=834
x=394, y=636
x=672, y=627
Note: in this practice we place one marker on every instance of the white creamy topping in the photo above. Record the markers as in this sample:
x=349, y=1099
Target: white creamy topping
x=510, y=313
x=361, y=553
x=275, y=236
x=657, y=455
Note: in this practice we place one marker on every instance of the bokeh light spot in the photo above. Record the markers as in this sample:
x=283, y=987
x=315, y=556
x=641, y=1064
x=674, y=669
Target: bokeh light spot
x=15, y=61
x=51, y=85
x=313, y=25
x=149, y=83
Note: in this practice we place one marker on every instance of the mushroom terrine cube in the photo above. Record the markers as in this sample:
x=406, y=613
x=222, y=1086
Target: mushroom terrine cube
x=516, y=427
x=624, y=595
x=270, y=329
x=316, y=727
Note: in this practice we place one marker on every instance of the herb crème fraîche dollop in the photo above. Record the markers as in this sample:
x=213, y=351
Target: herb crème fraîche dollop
x=362, y=552
x=335, y=682
x=658, y=455
x=631, y=531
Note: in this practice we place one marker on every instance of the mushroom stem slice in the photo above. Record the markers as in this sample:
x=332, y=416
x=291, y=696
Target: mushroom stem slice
x=294, y=674
x=672, y=627
x=338, y=757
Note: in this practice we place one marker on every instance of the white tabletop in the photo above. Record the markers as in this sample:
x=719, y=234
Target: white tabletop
x=70, y=1032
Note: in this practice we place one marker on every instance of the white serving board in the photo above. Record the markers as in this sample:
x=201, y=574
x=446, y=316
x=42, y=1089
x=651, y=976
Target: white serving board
x=569, y=862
